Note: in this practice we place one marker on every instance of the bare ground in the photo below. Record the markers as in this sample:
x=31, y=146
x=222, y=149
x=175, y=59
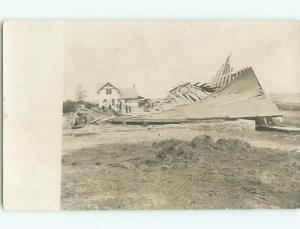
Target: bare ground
x=134, y=167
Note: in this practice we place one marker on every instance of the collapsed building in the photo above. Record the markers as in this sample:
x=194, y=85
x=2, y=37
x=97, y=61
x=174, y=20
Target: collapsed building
x=243, y=97
x=230, y=95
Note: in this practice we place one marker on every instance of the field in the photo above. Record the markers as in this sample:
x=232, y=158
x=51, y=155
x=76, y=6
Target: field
x=179, y=167
x=287, y=101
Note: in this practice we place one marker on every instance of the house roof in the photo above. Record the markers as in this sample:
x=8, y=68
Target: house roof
x=129, y=93
x=125, y=93
x=102, y=85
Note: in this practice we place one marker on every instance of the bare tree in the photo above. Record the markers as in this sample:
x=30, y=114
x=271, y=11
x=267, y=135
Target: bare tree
x=80, y=93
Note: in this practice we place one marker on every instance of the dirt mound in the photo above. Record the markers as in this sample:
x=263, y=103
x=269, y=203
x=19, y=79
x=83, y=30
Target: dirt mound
x=168, y=144
x=200, y=140
x=174, y=150
x=233, y=144
x=177, y=152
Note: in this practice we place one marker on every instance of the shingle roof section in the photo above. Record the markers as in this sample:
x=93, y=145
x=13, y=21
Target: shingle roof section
x=129, y=93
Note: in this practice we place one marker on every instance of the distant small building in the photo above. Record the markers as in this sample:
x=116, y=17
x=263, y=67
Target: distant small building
x=121, y=99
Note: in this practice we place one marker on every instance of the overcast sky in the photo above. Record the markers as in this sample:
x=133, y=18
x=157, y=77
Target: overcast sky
x=158, y=55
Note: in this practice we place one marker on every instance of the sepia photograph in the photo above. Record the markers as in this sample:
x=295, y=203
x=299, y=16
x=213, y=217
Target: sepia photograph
x=150, y=114
x=180, y=115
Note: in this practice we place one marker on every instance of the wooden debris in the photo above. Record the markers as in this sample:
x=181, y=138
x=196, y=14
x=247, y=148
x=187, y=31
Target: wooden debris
x=101, y=119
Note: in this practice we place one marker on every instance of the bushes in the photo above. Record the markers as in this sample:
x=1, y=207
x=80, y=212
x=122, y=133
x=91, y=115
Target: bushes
x=70, y=105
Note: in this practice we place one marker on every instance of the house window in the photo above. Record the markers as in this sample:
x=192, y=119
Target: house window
x=108, y=91
x=113, y=102
x=104, y=100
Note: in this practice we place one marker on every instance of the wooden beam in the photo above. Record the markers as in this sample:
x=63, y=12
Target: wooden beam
x=101, y=119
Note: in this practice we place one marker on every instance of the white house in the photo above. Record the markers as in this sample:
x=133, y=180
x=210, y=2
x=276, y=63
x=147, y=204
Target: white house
x=121, y=99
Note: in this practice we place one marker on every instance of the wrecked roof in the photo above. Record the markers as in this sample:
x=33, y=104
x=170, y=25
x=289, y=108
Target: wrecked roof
x=243, y=97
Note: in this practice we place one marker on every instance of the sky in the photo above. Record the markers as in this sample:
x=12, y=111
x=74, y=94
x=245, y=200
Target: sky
x=158, y=55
